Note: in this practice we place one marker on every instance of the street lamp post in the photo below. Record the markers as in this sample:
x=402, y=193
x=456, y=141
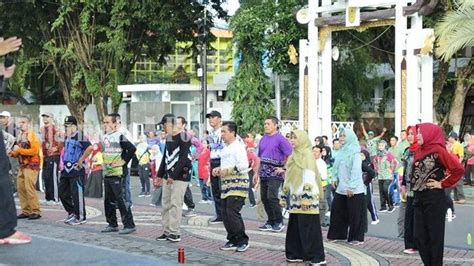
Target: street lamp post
x=203, y=37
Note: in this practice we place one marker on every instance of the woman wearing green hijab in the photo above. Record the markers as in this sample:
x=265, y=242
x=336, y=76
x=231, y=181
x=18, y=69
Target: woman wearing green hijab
x=304, y=240
x=348, y=206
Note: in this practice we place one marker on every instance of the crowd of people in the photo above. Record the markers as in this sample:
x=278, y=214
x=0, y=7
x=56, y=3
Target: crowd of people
x=313, y=186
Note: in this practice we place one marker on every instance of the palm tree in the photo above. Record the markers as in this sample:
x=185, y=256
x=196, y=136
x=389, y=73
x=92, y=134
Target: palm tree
x=455, y=31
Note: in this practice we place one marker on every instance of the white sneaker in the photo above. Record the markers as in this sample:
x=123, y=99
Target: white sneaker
x=202, y=202
x=375, y=222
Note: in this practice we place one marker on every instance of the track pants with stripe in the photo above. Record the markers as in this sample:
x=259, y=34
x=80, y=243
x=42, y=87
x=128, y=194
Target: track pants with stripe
x=71, y=193
x=51, y=177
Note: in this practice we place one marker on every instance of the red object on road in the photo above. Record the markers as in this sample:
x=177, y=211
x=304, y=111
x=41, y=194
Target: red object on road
x=181, y=255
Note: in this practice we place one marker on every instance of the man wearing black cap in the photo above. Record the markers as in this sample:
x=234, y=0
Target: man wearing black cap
x=52, y=145
x=216, y=145
x=71, y=185
x=175, y=169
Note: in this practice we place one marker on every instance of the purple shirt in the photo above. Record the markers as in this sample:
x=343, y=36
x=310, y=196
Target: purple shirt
x=273, y=151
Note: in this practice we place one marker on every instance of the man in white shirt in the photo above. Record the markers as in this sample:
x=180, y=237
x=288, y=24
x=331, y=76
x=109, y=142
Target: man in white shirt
x=323, y=171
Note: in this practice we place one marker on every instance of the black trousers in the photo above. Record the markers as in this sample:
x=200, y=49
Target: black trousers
x=408, y=235
x=269, y=190
x=469, y=174
x=233, y=223
x=216, y=188
x=113, y=199
x=385, y=198
x=251, y=194
x=188, y=199
x=8, y=220
x=51, y=177
x=429, y=215
x=347, y=213
x=71, y=193
x=304, y=239
x=144, y=174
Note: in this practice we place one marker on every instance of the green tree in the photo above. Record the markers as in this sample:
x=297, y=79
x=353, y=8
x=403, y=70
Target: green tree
x=250, y=89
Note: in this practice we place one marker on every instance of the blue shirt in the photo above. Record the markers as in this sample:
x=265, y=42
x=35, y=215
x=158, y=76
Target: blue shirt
x=74, y=148
x=350, y=178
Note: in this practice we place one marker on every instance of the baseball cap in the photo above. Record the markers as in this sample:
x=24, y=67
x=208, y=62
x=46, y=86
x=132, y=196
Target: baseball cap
x=70, y=120
x=214, y=114
x=370, y=133
x=5, y=114
x=48, y=114
x=453, y=135
x=167, y=118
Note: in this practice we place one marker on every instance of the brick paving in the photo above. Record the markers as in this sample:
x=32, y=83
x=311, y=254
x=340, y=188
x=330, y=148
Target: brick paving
x=202, y=241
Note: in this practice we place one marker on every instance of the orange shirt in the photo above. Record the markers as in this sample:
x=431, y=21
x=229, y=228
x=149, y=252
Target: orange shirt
x=29, y=152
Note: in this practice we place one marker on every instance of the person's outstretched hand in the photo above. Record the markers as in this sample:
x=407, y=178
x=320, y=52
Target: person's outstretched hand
x=9, y=45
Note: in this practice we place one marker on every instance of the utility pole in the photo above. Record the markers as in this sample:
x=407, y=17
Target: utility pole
x=203, y=38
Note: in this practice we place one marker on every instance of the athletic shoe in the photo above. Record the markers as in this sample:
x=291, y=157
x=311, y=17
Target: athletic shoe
x=277, y=228
x=163, y=237
x=252, y=206
x=375, y=222
x=266, y=227
x=174, y=238
x=16, y=239
x=216, y=221
x=410, y=251
x=110, y=229
x=76, y=221
x=141, y=195
x=34, y=216
x=127, y=231
x=189, y=213
x=228, y=247
x=383, y=210
x=202, y=202
x=391, y=209
x=69, y=218
x=147, y=195
x=319, y=263
x=22, y=216
x=242, y=247
x=210, y=201
x=293, y=260
x=356, y=243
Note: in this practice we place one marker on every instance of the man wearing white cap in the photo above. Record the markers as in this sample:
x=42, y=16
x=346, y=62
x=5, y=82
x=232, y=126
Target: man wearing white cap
x=10, y=128
x=52, y=144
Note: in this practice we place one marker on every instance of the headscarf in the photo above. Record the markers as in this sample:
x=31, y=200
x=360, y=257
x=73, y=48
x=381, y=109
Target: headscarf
x=328, y=157
x=433, y=140
x=367, y=160
x=320, y=140
x=301, y=159
x=413, y=146
x=346, y=154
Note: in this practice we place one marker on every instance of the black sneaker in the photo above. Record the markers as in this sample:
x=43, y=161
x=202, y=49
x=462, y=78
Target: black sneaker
x=277, y=228
x=383, y=210
x=216, y=221
x=174, y=238
x=163, y=237
x=34, y=216
x=391, y=209
x=293, y=260
x=110, y=229
x=228, y=246
x=266, y=227
x=242, y=247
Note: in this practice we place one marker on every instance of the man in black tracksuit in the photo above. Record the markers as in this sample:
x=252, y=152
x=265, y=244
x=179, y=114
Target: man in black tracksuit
x=117, y=152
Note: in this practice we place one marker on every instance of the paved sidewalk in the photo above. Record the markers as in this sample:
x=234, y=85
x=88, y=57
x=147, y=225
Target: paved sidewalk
x=202, y=241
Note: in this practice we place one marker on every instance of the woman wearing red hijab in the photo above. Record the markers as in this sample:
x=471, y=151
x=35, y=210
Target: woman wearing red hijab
x=429, y=178
x=407, y=212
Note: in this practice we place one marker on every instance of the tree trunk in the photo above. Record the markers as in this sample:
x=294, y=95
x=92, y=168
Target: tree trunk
x=438, y=86
x=462, y=87
x=100, y=107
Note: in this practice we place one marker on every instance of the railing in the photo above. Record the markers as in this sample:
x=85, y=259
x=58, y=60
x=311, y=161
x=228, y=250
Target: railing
x=336, y=126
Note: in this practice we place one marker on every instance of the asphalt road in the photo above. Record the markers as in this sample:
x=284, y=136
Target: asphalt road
x=455, y=233
x=70, y=253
